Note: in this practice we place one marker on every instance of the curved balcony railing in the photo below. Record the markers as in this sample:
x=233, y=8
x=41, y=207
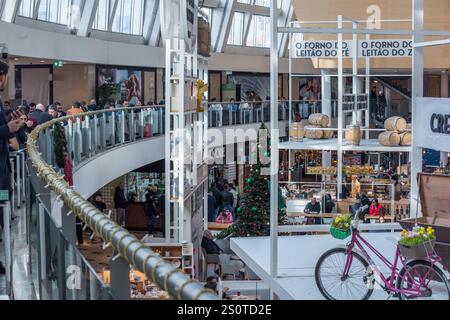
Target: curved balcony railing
x=141, y=257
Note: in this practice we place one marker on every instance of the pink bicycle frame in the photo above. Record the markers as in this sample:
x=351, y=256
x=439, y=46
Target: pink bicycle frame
x=360, y=242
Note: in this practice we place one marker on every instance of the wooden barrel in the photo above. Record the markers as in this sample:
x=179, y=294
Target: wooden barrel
x=296, y=132
x=313, y=132
x=328, y=134
x=353, y=135
x=389, y=138
x=304, y=123
x=395, y=124
x=405, y=139
x=318, y=119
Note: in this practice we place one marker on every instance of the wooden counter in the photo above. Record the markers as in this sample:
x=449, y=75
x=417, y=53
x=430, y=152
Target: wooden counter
x=135, y=218
x=214, y=226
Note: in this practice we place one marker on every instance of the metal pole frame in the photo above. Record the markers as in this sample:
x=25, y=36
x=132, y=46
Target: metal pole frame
x=274, y=153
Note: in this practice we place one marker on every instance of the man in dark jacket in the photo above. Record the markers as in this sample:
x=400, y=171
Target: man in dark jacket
x=40, y=114
x=227, y=199
x=7, y=128
x=120, y=203
x=150, y=209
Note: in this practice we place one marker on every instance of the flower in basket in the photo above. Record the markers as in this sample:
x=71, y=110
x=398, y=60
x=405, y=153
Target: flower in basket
x=342, y=222
x=417, y=236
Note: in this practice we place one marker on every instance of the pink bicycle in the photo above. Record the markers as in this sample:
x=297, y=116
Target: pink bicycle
x=344, y=274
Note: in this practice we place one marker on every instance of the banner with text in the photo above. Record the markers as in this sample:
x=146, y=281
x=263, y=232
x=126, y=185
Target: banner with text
x=376, y=48
x=433, y=128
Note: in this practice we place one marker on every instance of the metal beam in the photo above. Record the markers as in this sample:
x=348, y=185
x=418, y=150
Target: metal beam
x=10, y=9
x=431, y=43
x=284, y=19
x=222, y=19
x=399, y=32
x=37, y=3
x=87, y=18
x=274, y=154
x=417, y=92
x=112, y=12
x=151, y=26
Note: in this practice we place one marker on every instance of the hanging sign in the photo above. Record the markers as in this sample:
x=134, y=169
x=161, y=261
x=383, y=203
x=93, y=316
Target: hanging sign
x=385, y=48
x=320, y=49
x=376, y=48
x=433, y=129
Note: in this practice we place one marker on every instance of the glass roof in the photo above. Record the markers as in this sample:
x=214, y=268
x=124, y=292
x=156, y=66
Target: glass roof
x=247, y=26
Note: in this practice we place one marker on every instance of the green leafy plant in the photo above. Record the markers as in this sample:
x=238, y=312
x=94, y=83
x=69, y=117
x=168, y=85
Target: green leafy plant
x=107, y=91
x=59, y=144
x=417, y=236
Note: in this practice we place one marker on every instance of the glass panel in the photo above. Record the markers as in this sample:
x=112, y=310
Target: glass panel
x=259, y=32
x=237, y=29
x=67, y=12
x=102, y=16
x=129, y=17
x=26, y=8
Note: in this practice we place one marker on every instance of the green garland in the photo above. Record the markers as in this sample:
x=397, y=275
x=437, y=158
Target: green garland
x=59, y=144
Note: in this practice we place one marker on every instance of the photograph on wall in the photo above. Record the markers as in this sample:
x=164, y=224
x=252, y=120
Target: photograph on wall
x=123, y=84
x=253, y=87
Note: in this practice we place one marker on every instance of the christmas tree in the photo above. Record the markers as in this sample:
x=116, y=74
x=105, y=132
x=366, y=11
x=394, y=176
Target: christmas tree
x=253, y=214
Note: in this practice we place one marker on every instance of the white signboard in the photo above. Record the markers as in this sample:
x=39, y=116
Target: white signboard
x=376, y=48
x=385, y=48
x=432, y=130
x=320, y=49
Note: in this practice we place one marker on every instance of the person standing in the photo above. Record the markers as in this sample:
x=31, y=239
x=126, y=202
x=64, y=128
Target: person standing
x=75, y=110
x=7, y=128
x=150, y=210
x=120, y=203
x=227, y=199
x=40, y=114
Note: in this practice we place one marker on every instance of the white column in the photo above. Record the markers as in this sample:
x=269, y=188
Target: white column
x=417, y=91
x=274, y=145
x=340, y=113
x=326, y=92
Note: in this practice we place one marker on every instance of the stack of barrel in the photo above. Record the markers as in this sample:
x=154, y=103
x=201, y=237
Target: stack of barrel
x=396, y=134
x=317, y=122
x=204, y=37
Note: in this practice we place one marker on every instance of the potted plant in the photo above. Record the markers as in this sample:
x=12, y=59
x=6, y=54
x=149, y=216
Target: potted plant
x=340, y=227
x=418, y=243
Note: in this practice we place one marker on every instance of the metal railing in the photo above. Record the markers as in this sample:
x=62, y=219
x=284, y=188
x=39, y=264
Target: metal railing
x=141, y=257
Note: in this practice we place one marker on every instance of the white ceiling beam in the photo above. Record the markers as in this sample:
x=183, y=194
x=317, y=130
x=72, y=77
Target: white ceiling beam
x=211, y=3
x=286, y=16
x=247, y=22
x=10, y=9
x=87, y=18
x=152, y=23
x=222, y=20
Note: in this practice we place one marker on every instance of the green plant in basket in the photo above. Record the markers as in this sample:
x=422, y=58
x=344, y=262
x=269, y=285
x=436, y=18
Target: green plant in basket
x=340, y=227
x=417, y=236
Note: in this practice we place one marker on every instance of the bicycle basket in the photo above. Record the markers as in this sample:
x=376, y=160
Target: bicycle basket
x=422, y=250
x=339, y=233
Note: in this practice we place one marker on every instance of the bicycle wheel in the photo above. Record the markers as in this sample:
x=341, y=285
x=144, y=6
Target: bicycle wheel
x=431, y=281
x=333, y=285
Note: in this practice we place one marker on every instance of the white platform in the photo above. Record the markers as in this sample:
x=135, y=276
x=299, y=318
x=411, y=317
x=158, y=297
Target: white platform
x=332, y=145
x=297, y=259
